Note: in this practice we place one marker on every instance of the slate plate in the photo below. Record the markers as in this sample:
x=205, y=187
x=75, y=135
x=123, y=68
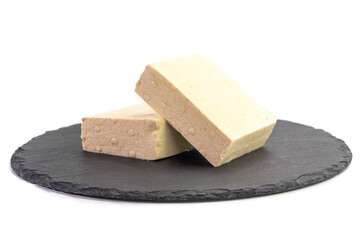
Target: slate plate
x=295, y=156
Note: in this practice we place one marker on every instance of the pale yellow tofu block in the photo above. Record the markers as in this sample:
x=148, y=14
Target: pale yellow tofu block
x=211, y=110
x=136, y=131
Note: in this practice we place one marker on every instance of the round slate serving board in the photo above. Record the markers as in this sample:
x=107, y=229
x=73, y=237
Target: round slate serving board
x=295, y=156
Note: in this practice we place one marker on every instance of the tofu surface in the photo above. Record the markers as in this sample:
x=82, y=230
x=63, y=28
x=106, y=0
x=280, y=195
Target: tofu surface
x=136, y=131
x=211, y=110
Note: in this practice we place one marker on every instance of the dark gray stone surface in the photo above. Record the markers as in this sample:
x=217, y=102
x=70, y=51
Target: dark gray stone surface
x=295, y=156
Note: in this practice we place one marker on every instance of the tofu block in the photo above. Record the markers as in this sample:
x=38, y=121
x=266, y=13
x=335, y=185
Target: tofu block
x=136, y=131
x=210, y=110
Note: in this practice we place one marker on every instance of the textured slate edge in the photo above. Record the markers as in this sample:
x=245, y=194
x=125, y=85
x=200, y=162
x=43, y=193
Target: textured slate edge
x=46, y=181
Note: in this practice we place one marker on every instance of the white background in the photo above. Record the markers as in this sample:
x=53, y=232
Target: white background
x=62, y=60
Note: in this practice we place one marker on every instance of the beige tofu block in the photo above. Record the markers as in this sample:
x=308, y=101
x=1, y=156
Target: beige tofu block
x=211, y=110
x=136, y=131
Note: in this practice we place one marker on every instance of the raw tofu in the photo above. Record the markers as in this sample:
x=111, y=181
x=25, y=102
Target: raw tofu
x=211, y=110
x=135, y=131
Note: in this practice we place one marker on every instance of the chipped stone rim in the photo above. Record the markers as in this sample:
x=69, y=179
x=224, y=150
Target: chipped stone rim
x=308, y=179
